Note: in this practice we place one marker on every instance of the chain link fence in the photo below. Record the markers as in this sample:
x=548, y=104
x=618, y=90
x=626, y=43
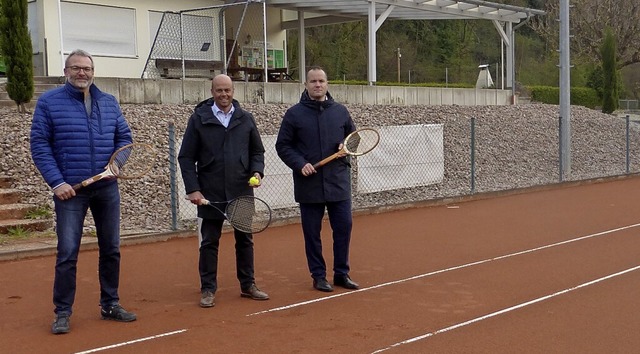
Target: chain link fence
x=450, y=157
x=404, y=153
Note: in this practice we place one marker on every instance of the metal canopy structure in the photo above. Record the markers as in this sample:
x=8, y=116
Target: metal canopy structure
x=412, y=9
x=377, y=11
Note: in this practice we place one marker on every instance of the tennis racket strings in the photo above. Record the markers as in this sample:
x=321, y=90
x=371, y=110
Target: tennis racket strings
x=132, y=161
x=362, y=141
x=248, y=214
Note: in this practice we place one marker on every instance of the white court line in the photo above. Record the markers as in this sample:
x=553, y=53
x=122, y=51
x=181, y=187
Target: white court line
x=508, y=309
x=287, y=307
x=132, y=342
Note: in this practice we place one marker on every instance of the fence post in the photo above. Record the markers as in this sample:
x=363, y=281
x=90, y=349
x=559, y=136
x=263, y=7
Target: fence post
x=560, y=147
x=172, y=174
x=473, y=155
x=627, y=139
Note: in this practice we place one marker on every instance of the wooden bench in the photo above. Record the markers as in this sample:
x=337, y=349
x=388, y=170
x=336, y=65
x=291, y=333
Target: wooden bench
x=172, y=68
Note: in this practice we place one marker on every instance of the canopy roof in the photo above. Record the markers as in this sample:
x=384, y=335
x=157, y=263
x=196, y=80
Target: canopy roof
x=411, y=9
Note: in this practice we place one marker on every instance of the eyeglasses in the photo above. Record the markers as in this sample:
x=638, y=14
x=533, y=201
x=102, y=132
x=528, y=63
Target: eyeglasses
x=76, y=69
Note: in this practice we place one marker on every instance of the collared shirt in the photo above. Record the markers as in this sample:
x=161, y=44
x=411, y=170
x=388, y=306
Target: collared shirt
x=224, y=118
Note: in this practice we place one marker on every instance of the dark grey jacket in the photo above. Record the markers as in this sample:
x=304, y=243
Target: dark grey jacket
x=219, y=161
x=310, y=131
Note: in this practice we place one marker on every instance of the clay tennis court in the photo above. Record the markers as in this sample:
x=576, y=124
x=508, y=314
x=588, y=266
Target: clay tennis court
x=553, y=270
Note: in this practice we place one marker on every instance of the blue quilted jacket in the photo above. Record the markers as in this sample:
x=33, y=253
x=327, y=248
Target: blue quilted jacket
x=68, y=145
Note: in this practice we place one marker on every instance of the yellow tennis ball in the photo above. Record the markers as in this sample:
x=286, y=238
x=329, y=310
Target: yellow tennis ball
x=253, y=181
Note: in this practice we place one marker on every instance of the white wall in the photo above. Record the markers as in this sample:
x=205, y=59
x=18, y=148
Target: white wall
x=119, y=66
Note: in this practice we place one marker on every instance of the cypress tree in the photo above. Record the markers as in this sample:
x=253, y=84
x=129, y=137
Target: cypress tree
x=17, y=51
x=610, y=74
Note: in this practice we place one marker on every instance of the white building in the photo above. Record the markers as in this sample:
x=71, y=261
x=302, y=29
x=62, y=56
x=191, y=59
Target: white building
x=120, y=34
x=233, y=35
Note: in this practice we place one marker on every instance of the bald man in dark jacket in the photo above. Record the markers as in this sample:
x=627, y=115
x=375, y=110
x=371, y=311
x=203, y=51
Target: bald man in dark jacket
x=221, y=150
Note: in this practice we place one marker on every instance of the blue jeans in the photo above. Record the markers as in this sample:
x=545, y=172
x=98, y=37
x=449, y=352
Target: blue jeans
x=104, y=203
x=341, y=221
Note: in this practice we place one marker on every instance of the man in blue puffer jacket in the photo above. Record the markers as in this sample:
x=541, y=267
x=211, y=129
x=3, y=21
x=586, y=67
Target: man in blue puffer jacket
x=75, y=130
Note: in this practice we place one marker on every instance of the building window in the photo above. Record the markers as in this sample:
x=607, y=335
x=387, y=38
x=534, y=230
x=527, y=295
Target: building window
x=100, y=30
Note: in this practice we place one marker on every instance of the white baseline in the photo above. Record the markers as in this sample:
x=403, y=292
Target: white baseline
x=131, y=342
x=308, y=302
x=508, y=309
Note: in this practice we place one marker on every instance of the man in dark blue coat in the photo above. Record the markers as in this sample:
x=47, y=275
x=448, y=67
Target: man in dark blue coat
x=221, y=150
x=75, y=130
x=311, y=130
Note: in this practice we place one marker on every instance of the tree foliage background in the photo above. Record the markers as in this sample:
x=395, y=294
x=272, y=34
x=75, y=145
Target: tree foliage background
x=15, y=45
x=450, y=51
x=609, y=73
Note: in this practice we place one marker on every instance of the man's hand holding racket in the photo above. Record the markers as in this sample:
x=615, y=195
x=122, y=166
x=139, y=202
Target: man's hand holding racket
x=196, y=198
x=245, y=213
x=357, y=143
x=128, y=162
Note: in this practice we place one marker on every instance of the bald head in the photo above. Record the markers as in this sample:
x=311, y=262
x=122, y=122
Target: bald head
x=221, y=79
x=222, y=92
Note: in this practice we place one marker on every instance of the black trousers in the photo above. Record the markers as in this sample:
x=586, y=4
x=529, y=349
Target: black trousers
x=340, y=219
x=210, y=232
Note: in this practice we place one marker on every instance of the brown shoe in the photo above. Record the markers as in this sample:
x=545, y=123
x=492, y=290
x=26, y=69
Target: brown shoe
x=254, y=293
x=207, y=299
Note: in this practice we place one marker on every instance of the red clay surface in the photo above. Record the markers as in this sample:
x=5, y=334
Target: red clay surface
x=553, y=271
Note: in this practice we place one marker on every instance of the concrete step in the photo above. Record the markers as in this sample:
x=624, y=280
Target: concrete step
x=41, y=85
x=9, y=103
x=9, y=196
x=37, y=87
x=5, y=182
x=15, y=211
x=6, y=226
x=4, y=96
x=56, y=80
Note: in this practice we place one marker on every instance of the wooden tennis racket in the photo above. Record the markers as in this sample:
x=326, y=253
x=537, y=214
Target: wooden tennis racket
x=246, y=213
x=128, y=162
x=357, y=143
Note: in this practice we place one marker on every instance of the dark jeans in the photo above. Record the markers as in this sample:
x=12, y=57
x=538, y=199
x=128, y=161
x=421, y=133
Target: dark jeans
x=341, y=222
x=210, y=232
x=70, y=214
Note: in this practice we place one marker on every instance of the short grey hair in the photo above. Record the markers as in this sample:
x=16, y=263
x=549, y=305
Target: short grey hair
x=80, y=53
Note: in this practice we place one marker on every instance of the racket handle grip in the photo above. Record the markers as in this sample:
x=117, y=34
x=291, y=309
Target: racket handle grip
x=86, y=182
x=202, y=201
x=327, y=160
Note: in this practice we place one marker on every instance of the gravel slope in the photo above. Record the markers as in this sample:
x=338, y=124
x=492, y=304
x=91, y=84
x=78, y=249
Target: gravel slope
x=516, y=146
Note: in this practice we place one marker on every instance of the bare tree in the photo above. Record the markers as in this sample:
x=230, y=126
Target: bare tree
x=589, y=19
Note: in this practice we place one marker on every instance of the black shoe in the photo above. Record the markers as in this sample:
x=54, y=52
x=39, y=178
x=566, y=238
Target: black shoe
x=322, y=284
x=345, y=282
x=60, y=324
x=254, y=293
x=117, y=313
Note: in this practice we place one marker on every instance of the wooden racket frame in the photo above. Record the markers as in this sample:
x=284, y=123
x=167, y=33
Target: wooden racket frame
x=112, y=171
x=346, y=151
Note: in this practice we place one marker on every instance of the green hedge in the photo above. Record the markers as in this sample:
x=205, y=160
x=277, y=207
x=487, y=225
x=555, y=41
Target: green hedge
x=580, y=96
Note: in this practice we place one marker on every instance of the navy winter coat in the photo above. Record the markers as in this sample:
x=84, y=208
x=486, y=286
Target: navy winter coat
x=219, y=161
x=68, y=145
x=310, y=131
